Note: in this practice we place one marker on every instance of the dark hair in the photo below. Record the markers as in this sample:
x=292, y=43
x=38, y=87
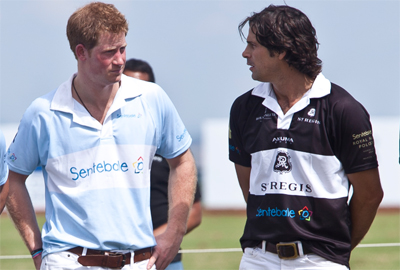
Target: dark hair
x=140, y=66
x=87, y=24
x=286, y=29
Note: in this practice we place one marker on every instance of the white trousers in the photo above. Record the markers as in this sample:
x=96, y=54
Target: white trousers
x=257, y=259
x=69, y=261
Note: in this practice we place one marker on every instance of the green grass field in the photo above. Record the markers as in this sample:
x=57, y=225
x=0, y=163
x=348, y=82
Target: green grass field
x=223, y=231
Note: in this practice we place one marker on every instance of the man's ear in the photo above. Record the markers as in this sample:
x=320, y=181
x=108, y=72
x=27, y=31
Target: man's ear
x=81, y=52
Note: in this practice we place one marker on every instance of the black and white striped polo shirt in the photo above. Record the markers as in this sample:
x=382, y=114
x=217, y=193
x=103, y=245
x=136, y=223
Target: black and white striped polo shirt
x=299, y=161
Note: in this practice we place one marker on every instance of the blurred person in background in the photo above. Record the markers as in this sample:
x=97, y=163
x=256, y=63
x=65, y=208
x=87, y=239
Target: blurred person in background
x=298, y=143
x=140, y=69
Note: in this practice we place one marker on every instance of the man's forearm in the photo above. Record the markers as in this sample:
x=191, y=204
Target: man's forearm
x=243, y=175
x=367, y=195
x=181, y=190
x=195, y=216
x=3, y=195
x=21, y=210
x=362, y=215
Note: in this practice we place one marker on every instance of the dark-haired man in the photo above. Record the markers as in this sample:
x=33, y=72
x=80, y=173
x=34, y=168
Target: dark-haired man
x=95, y=137
x=159, y=176
x=139, y=69
x=299, y=142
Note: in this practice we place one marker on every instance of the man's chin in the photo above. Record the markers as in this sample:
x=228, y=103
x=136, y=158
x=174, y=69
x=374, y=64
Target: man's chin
x=254, y=77
x=115, y=78
x=257, y=78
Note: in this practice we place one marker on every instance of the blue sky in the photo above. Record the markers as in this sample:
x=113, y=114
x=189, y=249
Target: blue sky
x=195, y=50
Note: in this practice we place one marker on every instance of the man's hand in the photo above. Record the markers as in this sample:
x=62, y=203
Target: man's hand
x=167, y=247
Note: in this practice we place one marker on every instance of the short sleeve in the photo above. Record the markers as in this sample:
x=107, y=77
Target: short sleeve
x=174, y=138
x=237, y=121
x=353, y=143
x=29, y=147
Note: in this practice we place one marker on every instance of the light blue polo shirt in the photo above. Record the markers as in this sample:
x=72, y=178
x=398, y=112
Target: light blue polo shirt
x=3, y=163
x=97, y=177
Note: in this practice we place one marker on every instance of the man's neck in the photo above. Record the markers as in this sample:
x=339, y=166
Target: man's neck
x=291, y=88
x=97, y=99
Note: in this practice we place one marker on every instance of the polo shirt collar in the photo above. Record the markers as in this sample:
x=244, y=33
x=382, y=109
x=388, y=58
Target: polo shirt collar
x=64, y=102
x=320, y=88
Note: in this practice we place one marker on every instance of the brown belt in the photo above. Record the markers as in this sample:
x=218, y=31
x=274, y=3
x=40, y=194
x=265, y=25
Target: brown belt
x=286, y=250
x=110, y=259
